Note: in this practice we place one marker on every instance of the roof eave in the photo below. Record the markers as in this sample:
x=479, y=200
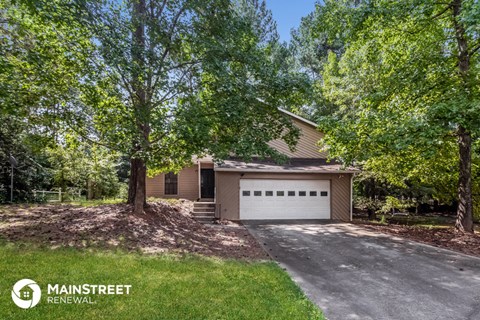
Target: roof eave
x=293, y=115
x=283, y=171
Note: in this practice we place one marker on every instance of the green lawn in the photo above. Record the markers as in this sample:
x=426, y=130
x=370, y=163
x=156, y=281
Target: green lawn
x=90, y=203
x=163, y=287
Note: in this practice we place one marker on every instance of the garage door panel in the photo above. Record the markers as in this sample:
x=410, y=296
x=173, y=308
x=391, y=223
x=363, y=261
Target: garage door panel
x=308, y=199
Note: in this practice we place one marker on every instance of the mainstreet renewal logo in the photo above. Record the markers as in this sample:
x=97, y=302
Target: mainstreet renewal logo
x=26, y=293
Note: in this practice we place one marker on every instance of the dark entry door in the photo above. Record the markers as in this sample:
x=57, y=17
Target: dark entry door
x=207, y=183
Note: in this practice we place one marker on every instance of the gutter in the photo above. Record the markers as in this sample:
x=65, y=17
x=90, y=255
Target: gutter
x=282, y=171
x=351, y=197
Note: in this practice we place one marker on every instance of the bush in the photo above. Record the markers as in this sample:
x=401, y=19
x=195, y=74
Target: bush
x=392, y=204
x=366, y=204
x=383, y=219
x=476, y=208
x=3, y=194
x=122, y=191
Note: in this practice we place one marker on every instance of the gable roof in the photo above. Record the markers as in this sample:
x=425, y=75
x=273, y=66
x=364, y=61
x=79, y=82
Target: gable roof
x=293, y=115
x=291, y=166
x=306, y=147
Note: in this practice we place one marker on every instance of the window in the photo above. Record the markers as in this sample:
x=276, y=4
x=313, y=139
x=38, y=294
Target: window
x=291, y=193
x=269, y=193
x=171, y=183
x=280, y=193
x=257, y=193
x=246, y=193
x=302, y=193
x=313, y=193
x=323, y=193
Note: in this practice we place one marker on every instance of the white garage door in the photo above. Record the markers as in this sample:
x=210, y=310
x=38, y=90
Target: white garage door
x=284, y=199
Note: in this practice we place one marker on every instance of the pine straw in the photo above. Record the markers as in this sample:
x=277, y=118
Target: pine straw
x=163, y=228
x=444, y=237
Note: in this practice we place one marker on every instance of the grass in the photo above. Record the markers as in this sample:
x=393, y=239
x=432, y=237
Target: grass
x=91, y=203
x=163, y=287
x=82, y=203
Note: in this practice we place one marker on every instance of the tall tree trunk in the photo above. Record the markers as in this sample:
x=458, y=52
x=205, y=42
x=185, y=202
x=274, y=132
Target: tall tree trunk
x=138, y=170
x=132, y=180
x=465, y=208
x=140, y=190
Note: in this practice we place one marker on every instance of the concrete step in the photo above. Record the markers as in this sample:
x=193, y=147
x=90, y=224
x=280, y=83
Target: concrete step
x=204, y=213
x=205, y=219
x=203, y=204
x=204, y=208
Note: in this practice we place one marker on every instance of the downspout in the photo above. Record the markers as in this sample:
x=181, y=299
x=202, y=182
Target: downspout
x=199, y=180
x=351, y=197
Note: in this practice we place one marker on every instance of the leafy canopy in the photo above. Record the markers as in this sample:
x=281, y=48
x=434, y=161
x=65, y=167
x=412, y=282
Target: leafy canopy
x=211, y=75
x=398, y=88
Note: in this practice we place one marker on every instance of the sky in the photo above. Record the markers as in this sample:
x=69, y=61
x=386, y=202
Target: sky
x=288, y=14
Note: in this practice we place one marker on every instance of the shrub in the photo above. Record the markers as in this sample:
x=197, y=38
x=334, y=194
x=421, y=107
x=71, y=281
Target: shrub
x=392, y=204
x=476, y=208
x=383, y=219
x=366, y=204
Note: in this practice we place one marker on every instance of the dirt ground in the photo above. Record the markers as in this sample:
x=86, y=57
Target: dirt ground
x=163, y=228
x=444, y=237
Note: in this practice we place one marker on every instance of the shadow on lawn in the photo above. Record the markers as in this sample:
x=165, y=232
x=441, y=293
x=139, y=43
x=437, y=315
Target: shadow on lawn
x=162, y=228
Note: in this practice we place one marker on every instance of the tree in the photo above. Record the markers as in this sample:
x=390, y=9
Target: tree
x=406, y=87
x=43, y=61
x=32, y=170
x=89, y=168
x=310, y=47
x=177, y=78
x=43, y=49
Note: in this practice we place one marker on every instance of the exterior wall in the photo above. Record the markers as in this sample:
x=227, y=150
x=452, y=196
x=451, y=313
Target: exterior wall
x=207, y=165
x=307, y=145
x=228, y=191
x=187, y=184
x=227, y=195
x=341, y=196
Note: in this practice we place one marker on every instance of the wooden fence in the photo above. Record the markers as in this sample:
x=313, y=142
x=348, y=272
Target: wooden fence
x=57, y=195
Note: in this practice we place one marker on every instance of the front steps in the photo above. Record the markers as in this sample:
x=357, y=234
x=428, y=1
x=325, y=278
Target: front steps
x=204, y=211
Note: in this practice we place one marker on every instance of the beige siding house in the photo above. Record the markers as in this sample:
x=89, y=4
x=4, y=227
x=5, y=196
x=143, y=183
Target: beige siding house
x=305, y=187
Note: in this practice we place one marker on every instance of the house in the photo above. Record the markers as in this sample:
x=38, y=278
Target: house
x=26, y=293
x=307, y=186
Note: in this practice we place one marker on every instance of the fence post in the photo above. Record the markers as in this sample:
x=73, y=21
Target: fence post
x=60, y=194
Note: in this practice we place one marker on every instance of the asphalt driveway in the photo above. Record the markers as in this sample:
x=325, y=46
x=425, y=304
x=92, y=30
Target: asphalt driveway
x=352, y=273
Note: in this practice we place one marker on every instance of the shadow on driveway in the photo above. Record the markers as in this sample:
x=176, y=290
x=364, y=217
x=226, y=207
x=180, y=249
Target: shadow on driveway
x=352, y=273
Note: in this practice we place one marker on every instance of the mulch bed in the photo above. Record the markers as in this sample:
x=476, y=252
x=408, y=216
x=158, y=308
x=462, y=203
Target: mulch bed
x=447, y=238
x=163, y=228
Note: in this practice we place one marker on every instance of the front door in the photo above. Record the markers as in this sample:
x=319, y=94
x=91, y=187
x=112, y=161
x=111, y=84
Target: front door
x=207, y=183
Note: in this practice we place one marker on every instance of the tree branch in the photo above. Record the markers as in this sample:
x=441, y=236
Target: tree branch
x=166, y=97
x=170, y=34
x=474, y=49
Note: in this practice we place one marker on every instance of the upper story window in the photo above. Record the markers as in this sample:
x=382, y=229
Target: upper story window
x=171, y=183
